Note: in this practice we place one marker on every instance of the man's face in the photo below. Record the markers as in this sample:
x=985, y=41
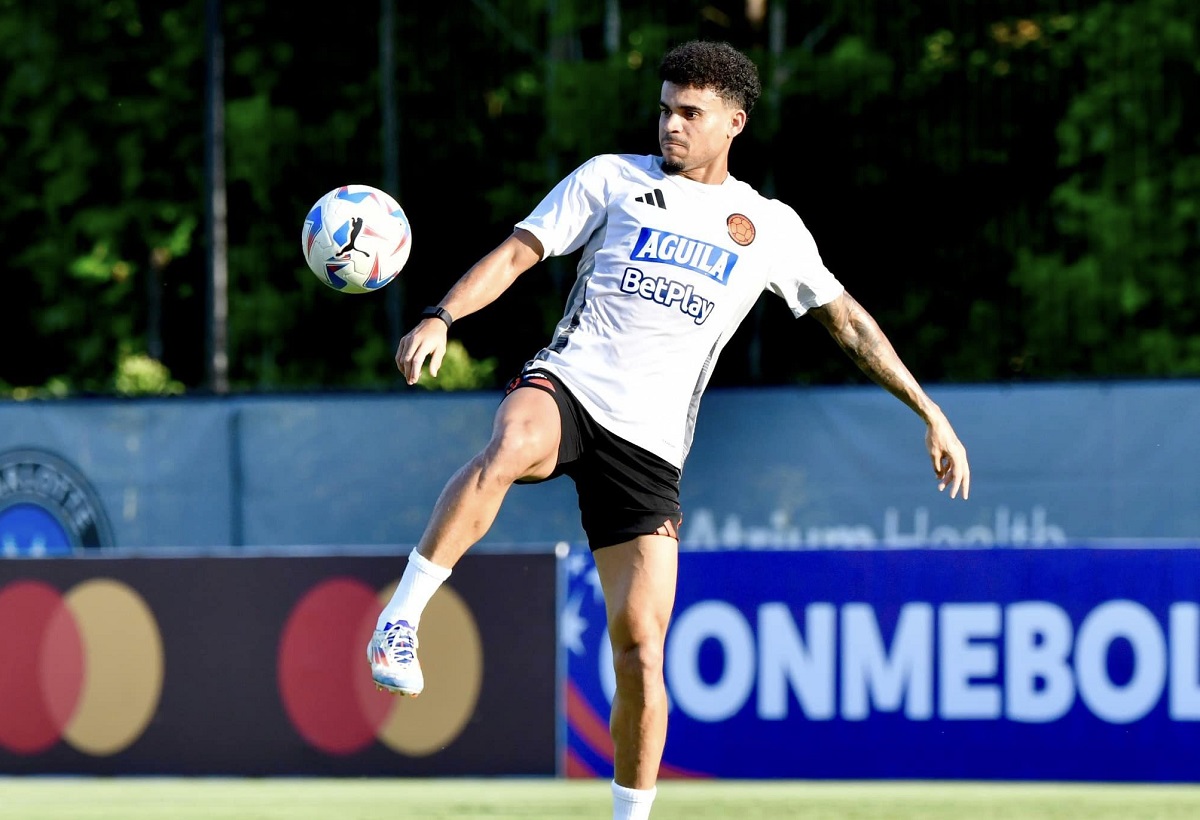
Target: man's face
x=695, y=127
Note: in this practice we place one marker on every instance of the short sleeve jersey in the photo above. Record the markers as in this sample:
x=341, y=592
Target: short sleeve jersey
x=669, y=269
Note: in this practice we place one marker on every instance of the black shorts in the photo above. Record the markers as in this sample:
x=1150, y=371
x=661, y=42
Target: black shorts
x=624, y=490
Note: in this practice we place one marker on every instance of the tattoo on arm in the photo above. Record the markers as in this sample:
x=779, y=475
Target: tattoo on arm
x=860, y=336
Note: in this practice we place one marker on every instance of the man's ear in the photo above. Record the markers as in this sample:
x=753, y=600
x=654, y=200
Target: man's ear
x=737, y=123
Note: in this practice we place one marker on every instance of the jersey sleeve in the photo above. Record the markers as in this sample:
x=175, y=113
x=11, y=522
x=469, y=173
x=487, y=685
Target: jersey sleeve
x=572, y=211
x=800, y=277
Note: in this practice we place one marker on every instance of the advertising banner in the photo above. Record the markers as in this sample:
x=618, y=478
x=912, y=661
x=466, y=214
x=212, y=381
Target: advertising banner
x=806, y=468
x=1064, y=664
x=257, y=666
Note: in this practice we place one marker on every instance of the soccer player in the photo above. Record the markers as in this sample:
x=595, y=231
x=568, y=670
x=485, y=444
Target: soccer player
x=674, y=253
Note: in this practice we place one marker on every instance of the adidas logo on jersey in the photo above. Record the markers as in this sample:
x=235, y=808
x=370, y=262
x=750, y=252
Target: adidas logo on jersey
x=654, y=197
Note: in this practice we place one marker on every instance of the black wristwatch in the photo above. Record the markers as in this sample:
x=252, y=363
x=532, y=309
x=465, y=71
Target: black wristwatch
x=439, y=312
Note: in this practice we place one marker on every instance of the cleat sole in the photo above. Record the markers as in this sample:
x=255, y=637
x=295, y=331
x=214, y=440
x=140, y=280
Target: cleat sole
x=383, y=687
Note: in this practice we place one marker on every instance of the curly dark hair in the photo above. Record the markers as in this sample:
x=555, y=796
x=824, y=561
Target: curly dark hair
x=715, y=65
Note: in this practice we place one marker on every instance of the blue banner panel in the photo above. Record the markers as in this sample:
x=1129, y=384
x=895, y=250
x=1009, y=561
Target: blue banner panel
x=1068, y=664
x=829, y=468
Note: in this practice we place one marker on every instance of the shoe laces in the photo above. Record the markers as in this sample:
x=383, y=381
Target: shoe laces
x=400, y=642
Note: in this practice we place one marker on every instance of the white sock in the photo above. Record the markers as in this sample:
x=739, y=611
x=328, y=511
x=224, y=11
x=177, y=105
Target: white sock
x=420, y=580
x=632, y=804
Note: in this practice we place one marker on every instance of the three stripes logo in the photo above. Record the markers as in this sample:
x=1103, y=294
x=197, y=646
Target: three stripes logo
x=654, y=197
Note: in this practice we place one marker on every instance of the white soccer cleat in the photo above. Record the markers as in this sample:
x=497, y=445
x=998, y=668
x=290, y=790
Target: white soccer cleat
x=393, y=656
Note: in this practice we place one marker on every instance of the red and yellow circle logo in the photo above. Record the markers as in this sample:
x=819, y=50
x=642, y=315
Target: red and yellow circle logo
x=85, y=666
x=325, y=681
x=741, y=229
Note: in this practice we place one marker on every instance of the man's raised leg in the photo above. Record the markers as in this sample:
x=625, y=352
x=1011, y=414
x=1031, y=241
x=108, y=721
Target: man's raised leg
x=524, y=445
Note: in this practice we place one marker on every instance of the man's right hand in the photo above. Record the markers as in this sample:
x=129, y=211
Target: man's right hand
x=425, y=341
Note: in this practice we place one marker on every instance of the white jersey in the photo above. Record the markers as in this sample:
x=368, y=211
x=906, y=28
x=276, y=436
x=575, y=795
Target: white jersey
x=670, y=267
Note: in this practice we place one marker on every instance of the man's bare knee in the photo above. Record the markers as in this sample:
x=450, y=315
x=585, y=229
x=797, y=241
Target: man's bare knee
x=519, y=448
x=639, y=667
x=525, y=439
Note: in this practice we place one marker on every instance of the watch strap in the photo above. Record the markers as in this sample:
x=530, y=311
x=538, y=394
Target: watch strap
x=438, y=312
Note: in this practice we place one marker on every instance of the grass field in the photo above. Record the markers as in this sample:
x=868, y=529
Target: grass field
x=41, y=798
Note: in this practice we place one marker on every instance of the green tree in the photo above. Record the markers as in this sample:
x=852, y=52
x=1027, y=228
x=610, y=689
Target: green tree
x=1010, y=187
x=1114, y=292
x=99, y=181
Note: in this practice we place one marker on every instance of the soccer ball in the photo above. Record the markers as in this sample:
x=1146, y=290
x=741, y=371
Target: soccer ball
x=356, y=239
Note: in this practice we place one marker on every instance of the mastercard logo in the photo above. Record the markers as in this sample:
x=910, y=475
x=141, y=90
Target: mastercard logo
x=83, y=666
x=325, y=681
